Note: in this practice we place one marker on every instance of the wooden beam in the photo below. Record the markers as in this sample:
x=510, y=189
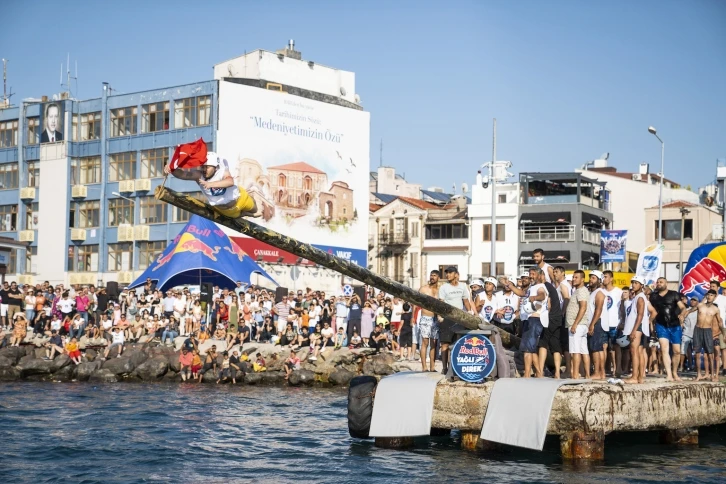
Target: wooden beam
x=307, y=251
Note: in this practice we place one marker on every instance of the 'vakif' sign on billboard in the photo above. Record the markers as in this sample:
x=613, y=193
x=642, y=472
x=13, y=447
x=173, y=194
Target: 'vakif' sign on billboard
x=306, y=161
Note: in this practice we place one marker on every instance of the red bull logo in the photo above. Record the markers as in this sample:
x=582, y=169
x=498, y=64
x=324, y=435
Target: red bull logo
x=508, y=313
x=707, y=263
x=188, y=243
x=473, y=358
x=236, y=250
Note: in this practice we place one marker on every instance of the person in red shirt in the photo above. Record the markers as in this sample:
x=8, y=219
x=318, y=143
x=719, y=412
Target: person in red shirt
x=222, y=315
x=82, y=303
x=185, y=360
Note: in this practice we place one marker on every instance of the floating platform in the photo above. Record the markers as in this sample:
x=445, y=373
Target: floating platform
x=582, y=414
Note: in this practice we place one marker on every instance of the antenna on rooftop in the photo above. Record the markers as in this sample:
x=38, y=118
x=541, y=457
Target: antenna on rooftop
x=6, y=95
x=67, y=85
x=380, y=160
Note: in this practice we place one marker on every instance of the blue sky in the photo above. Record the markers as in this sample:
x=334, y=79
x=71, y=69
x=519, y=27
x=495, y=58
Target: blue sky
x=566, y=80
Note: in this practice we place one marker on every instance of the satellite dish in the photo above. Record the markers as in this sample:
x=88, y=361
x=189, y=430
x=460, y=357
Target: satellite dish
x=357, y=99
x=343, y=92
x=465, y=188
x=605, y=156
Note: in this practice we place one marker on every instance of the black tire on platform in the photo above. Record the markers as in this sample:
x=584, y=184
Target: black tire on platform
x=360, y=405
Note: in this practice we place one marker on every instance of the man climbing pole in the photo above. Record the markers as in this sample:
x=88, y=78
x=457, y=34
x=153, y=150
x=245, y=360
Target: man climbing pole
x=191, y=161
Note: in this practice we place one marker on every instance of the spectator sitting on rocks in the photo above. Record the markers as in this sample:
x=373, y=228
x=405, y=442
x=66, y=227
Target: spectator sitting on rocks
x=124, y=325
x=327, y=333
x=185, y=361
x=259, y=364
x=340, y=339
x=235, y=367
x=20, y=329
x=137, y=328
x=74, y=353
x=117, y=339
x=392, y=336
x=191, y=342
x=196, y=363
x=268, y=330
x=92, y=331
x=170, y=332
x=53, y=345
x=377, y=339
x=302, y=340
x=210, y=362
x=203, y=336
x=288, y=336
x=76, y=326
x=355, y=341
x=224, y=371
x=220, y=333
x=291, y=364
x=55, y=324
x=105, y=330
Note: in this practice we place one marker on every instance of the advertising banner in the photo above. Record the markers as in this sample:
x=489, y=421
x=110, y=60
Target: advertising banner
x=52, y=122
x=707, y=263
x=649, y=263
x=473, y=358
x=612, y=245
x=305, y=162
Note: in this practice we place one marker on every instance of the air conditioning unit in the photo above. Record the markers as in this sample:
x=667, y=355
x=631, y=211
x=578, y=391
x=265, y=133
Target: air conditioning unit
x=26, y=236
x=125, y=277
x=78, y=234
x=141, y=232
x=635, y=176
x=27, y=193
x=126, y=186
x=125, y=233
x=79, y=191
x=25, y=279
x=143, y=185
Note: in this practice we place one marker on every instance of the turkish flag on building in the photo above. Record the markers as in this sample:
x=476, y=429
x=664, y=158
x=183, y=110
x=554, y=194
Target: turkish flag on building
x=189, y=155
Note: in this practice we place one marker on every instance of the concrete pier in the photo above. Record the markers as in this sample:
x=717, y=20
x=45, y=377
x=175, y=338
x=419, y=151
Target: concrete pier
x=583, y=414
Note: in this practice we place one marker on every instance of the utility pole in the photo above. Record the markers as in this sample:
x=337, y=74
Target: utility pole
x=493, y=181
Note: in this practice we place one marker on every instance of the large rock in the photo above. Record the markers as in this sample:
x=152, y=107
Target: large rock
x=103, y=375
x=13, y=353
x=28, y=365
x=60, y=362
x=152, y=369
x=369, y=368
x=172, y=376
x=9, y=374
x=210, y=377
x=301, y=377
x=85, y=370
x=384, y=358
x=342, y=356
x=91, y=354
x=272, y=377
x=380, y=368
x=253, y=378
x=6, y=362
x=137, y=357
x=274, y=364
x=67, y=373
x=174, y=364
x=251, y=350
x=119, y=366
x=341, y=377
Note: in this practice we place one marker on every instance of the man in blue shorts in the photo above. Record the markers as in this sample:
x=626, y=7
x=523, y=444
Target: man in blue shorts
x=668, y=325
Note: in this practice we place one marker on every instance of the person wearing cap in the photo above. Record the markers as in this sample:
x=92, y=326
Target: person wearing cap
x=455, y=294
x=476, y=287
x=636, y=318
x=485, y=301
x=218, y=185
x=507, y=313
x=599, y=325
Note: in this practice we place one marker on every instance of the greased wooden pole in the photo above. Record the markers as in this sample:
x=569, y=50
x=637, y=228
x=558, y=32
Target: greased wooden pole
x=307, y=251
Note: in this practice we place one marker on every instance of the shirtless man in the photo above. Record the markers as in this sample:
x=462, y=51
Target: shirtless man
x=428, y=328
x=709, y=317
x=538, y=256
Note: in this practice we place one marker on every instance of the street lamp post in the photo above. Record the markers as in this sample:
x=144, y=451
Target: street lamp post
x=652, y=131
x=684, y=212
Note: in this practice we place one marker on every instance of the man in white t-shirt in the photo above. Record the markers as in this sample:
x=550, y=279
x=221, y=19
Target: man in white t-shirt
x=507, y=307
x=613, y=300
x=397, y=312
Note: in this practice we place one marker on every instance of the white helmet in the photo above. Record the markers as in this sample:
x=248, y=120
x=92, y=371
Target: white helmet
x=527, y=307
x=491, y=280
x=623, y=341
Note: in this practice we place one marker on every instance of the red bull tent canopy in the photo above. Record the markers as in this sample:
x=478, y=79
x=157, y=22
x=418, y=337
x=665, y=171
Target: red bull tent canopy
x=201, y=252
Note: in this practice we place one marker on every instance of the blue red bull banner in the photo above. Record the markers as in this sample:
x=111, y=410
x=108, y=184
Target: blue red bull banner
x=649, y=263
x=612, y=245
x=707, y=263
x=473, y=358
x=201, y=252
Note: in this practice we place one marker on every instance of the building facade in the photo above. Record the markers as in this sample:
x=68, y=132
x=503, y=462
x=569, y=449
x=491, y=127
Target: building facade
x=562, y=214
x=81, y=193
x=699, y=224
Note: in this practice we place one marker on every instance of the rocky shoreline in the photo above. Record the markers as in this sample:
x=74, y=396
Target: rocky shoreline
x=152, y=362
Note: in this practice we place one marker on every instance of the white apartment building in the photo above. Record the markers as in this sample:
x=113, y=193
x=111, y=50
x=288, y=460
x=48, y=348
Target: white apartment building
x=386, y=181
x=506, y=234
x=631, y=192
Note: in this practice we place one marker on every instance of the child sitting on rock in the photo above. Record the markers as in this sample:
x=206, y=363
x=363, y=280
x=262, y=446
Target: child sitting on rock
x=340, y=339
x=355, y=340
x=259, y=364
x=74, y=353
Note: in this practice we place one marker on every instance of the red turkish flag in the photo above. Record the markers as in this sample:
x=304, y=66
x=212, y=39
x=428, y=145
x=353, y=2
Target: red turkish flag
x=189, y=155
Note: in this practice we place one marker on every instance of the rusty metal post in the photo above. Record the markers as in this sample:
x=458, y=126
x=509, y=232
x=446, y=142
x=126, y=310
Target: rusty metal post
x=583, y=446
x=307, y=251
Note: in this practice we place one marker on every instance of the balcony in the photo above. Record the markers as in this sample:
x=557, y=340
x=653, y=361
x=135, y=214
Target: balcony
x=401, y=239
x=563, y=188
x=552, y=233
x=591, y=236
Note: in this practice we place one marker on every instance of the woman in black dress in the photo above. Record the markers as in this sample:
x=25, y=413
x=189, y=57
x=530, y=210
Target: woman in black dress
x=405, y=339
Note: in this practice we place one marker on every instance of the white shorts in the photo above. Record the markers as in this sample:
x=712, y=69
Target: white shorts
x=578, y=341
x=281, y=325
x=3, y=310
